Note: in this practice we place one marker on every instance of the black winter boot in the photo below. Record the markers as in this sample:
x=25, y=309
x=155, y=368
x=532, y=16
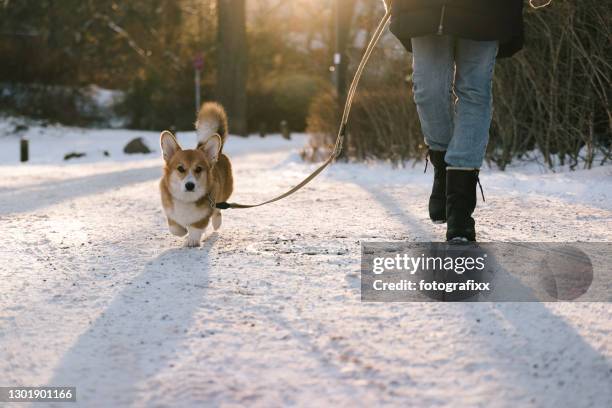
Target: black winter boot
x=460, y=203
x=437, y=200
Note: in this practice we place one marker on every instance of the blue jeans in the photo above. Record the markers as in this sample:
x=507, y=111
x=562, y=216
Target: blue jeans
x=453, y=81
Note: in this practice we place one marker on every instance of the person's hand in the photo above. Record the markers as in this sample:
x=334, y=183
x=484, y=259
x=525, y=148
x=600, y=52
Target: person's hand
x=536, y=4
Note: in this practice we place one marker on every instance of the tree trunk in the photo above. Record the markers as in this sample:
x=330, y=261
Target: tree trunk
x=232, y=63
x=344, y=16
x=344, y=11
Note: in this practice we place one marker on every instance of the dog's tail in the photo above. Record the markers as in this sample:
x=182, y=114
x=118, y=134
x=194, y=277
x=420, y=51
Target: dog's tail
x=212, y=120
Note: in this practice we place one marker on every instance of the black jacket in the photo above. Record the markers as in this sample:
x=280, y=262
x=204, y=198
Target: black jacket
x=481, y=20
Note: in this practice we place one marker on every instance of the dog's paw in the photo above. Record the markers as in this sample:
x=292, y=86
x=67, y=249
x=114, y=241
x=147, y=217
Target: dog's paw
x=217, y=218
x=194, y=237
x=191, y=242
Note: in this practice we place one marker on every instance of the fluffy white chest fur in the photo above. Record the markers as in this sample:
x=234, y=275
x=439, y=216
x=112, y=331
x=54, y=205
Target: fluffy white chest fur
x=187, y=213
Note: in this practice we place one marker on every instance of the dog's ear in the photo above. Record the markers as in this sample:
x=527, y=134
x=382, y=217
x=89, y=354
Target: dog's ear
x=212, y=148
x=169, y=145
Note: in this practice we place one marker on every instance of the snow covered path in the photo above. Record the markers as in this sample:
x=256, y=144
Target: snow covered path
x=95, y=293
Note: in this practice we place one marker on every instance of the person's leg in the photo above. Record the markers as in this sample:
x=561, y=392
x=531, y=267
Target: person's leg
x=475, y=62
x=433, y=72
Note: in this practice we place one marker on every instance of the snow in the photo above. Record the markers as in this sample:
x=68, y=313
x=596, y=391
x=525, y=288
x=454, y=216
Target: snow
x=95, y=293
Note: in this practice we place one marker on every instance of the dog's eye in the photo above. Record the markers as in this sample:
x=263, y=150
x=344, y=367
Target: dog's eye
x=198, y=170
x=181, y=169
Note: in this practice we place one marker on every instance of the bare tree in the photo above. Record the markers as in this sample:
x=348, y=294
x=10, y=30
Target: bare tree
x=232, y=62
x=344, y=11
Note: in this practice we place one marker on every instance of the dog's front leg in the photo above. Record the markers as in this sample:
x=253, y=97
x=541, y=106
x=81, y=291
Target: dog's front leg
x=176, y=229
x=195, y=232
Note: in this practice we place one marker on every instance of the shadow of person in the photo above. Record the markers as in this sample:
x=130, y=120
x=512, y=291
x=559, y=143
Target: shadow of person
x=542, y=352
x=547, y=358
x=140, y=332
x=399, y=211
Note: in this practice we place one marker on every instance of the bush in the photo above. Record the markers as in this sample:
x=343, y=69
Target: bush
x=285, y=97
x=554, y=95
x=382, y=125
x=157, y=100
x=61, y=104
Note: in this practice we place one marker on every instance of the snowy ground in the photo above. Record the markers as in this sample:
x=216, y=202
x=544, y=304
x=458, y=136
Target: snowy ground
x=94, y=292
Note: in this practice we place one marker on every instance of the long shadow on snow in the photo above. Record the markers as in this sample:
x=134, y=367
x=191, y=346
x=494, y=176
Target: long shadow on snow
x=48, y=194
x=591, y=366
x=140, y=332
x=393, y=207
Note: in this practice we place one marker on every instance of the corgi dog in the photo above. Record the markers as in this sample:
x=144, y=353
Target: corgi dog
x=195, y=179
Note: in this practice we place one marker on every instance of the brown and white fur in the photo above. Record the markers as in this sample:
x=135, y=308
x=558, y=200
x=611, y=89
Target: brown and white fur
x=191, y=176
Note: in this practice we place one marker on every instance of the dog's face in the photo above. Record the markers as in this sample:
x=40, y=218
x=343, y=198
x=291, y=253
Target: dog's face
x=188, y=173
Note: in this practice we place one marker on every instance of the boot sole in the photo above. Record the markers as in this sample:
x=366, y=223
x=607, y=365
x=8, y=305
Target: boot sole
x=439, y=221
x=460, y=241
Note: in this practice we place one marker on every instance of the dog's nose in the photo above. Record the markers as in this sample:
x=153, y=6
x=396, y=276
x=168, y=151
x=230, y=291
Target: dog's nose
x=189, y=186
